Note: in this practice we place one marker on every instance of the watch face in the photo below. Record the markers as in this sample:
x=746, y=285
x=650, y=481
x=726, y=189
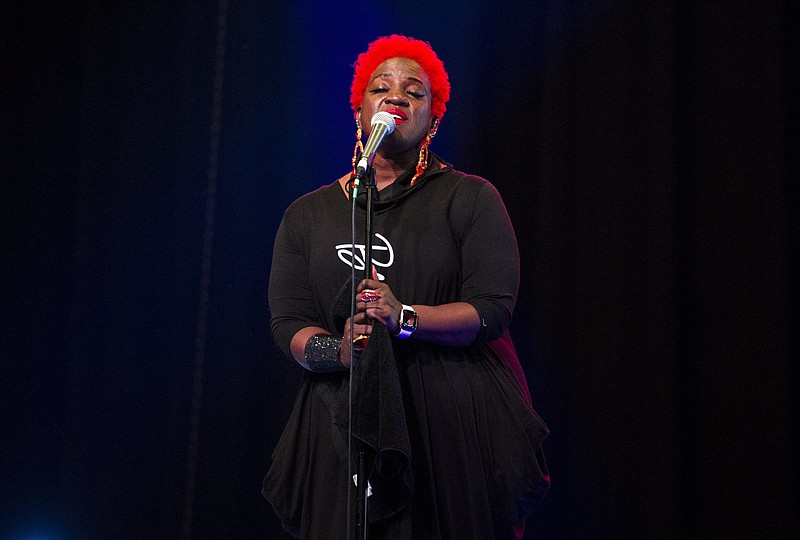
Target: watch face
x=408, y=318
x=407, y=323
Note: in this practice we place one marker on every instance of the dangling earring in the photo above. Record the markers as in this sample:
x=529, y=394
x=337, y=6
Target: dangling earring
x=424, y=154
x=358, y=149
x=422, y=163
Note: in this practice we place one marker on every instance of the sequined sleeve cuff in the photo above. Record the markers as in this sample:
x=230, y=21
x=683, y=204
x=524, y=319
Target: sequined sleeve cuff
x=322, y=353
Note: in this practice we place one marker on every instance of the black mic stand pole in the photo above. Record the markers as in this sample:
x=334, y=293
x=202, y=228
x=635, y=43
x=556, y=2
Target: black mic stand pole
x=369, y=190
x=362, y=485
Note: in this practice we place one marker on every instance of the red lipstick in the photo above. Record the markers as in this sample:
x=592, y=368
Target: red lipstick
x=399, y=115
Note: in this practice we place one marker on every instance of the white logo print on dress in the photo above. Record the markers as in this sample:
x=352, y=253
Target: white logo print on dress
x=380, y=246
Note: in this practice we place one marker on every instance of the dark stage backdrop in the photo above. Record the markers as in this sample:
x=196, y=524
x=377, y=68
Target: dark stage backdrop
x=647, y=153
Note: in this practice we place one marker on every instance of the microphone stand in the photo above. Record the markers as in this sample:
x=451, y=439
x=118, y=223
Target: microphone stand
x=362, y=482
x=369, y=189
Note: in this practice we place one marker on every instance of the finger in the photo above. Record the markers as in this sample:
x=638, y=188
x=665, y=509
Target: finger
x=360, y=319
x=362, y=329
x=375, y=314
x=370, y=284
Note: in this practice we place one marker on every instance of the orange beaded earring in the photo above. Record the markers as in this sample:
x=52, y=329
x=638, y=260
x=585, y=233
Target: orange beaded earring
x=359, y=147
x=424, y=154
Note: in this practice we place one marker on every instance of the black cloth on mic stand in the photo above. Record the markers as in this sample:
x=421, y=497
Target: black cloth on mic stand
x=379, y=420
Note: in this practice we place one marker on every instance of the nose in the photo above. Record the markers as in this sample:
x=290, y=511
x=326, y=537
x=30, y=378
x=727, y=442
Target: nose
x=395, y=97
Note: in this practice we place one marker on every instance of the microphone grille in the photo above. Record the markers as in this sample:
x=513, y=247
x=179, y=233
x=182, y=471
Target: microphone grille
x=383, y=118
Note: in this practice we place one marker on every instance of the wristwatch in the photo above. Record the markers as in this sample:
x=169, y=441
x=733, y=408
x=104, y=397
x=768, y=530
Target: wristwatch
x=407, y=323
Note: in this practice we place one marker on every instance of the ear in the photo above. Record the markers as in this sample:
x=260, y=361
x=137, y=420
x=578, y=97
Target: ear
x=357, y=116
x=434, y=126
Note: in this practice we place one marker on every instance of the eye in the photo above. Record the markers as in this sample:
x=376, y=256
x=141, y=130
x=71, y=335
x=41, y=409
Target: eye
x=416, y=94
x=378, y=90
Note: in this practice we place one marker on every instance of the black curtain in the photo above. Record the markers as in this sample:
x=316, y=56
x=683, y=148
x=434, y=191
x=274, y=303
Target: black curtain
x=647, y=154
x=656, y=224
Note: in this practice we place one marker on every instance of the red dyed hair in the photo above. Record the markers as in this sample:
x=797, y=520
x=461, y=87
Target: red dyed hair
x=395, y=46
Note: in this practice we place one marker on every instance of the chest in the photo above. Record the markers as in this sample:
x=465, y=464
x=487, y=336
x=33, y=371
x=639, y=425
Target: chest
x=414, y=249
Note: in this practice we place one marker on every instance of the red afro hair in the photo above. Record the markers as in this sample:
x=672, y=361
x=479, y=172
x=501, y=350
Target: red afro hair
x=395, y=46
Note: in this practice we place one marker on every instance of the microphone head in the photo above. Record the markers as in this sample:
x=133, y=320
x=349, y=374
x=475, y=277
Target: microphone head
x=383, y=118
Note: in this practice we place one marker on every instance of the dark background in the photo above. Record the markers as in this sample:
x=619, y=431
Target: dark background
x=648, y=156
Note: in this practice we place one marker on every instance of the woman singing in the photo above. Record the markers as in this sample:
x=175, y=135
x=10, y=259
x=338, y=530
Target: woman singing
x=463, y=457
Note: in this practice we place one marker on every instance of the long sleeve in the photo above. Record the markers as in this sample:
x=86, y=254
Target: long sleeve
x=490, y=261
x=291, y=304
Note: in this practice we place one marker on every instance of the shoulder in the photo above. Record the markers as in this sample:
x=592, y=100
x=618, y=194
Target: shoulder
x=320, y=197
x=469, y=189
x=445, y=177
x=468, y=201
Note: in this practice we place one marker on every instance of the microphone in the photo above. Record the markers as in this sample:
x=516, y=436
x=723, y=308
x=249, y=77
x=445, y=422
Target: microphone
x=382, y=125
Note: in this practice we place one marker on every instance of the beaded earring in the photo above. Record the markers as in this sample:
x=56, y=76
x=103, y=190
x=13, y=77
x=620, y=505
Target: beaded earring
x=424, y=154
x=358, y=149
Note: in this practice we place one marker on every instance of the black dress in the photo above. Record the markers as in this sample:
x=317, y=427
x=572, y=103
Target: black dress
x=464, y=457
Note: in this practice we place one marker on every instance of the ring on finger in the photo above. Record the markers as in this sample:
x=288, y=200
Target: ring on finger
x=359, y=342
x=369, y=295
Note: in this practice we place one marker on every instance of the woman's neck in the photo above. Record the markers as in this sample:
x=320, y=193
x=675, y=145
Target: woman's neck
x=389, y=168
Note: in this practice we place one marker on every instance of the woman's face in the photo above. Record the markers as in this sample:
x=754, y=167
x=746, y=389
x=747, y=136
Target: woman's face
x=400, y=87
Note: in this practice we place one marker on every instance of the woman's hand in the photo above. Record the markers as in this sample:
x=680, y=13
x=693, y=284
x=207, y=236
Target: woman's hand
x=454, y=323
x=362, y=328
x=376, y=300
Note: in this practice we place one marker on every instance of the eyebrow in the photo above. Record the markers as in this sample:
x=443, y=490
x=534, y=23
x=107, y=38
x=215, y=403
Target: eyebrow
x=387, y=75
